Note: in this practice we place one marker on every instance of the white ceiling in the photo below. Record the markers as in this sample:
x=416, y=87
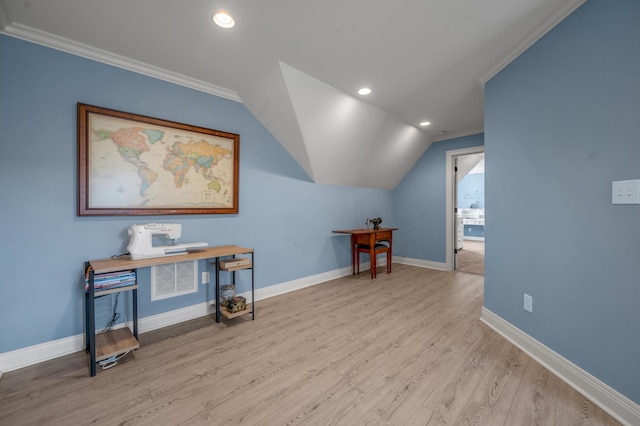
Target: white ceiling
x=469, y=164
x=297, y=65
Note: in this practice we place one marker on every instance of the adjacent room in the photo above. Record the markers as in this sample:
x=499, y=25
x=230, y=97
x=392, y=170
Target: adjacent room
x=228, y=213
x=470, y=214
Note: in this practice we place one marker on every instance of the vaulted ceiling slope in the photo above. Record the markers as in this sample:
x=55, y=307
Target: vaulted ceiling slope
x=297, y=65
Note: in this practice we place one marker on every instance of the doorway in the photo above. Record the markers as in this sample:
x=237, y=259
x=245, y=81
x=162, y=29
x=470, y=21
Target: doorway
x=469, y=209
x=465, y=210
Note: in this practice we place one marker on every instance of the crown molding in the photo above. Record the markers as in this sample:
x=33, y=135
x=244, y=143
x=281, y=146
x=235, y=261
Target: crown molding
x=461, y=134
x=540, y=32
x=70, y=46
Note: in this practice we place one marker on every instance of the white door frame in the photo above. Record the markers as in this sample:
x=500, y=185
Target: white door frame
x=450, y=188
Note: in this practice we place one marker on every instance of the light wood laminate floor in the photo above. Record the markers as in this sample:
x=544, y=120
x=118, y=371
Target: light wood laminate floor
x=470, y=258
x=404, y=349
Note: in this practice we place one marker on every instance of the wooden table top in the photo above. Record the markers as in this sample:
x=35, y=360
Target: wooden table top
x=363, y=230
x=101, y=266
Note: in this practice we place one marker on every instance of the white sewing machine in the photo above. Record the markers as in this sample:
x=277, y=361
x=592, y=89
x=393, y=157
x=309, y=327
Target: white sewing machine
x=141, y=242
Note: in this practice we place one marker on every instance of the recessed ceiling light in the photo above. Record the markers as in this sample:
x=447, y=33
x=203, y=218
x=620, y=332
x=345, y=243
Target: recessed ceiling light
x=224, y=20
x=364, y=91
x=425, y=123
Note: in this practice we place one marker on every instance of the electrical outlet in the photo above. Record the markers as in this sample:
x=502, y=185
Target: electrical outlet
x=528, y=303
x=205, y=277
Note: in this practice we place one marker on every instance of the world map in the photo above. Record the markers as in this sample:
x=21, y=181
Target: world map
x=135, y=165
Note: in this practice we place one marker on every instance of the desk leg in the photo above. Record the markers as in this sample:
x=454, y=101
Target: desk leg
x=372, y=254
x=372, y=258
x=253, y=288
x=354, y=255
x=217, y=289
x=92, y=324
x=134, y=296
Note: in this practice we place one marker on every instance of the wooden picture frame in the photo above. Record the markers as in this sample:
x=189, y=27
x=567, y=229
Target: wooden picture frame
x=130, y=164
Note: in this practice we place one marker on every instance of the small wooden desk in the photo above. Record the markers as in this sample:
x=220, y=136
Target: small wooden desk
x=122, y=340
x=368, y=237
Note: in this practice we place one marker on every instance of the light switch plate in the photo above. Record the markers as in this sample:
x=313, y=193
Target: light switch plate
x=626, y=192
x=528, y=303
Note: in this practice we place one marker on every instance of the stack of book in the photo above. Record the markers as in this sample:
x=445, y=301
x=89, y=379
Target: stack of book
x=111, y=280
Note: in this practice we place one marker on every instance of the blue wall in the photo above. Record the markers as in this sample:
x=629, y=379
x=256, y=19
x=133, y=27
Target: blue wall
x=471, y=191
x=560, y=126
x=561, y=123
x=282, y=214
x=420, y=203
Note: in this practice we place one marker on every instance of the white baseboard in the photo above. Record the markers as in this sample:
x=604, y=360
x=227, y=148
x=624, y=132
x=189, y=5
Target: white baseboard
x=30, y=355
x=176, y=316
x=613, y=402
x=35, y=354
x=440, y=266
x=607, y=398
x=275, y=290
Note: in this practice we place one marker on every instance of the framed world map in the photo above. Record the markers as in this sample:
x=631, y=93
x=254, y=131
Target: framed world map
x=135, y=165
